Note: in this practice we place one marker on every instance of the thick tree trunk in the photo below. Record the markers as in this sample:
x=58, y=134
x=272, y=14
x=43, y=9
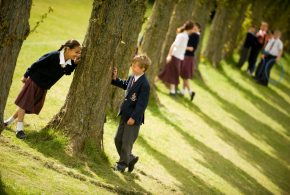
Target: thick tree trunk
x=82, y=116
x=235, y=28
x=182, y=12
x=154, y=37
x=221, y=26
x=201, y=14
x=125, y=52
x=14, y=28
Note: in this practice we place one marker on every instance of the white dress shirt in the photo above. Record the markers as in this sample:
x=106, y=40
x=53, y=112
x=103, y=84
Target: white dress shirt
x=179, y=45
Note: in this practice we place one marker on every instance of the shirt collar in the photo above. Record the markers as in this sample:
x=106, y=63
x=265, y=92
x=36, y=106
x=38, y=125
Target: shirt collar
x=136, y=77
x=62, y=61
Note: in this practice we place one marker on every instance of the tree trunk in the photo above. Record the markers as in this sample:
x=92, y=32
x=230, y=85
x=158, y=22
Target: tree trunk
x=201, y=14
x=14, y=28
x=235, y=28
x=125, y=52
x=182, y=12
x=83, y=114
x=219, y=31
x=154, y=37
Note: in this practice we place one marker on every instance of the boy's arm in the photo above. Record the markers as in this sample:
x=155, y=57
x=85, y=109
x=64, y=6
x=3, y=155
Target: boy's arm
x=120, y=83
x=142, y=102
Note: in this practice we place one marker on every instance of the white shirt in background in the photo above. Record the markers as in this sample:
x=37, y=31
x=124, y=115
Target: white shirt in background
x=179, y=45
x=274, y=46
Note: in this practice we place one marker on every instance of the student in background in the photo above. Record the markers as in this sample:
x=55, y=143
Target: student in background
x=271, y=54
x=250, y=38
x=188, y=64
x=171, y=72
x=257, y=46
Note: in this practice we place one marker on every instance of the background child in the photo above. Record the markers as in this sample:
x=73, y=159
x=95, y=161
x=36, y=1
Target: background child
x=258, y=44
x=250, y=38
x=272, y=54
x=40, y=77
x=132, y=111
x=187, y=65
x=171, y=72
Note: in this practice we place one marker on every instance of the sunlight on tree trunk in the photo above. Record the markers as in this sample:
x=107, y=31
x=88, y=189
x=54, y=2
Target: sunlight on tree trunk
x=182, y=13
x=154, y=36
x=83, y=114
x=13, y=31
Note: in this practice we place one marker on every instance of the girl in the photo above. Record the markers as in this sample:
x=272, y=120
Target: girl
x=171, y=72
x=187, y=66
x=40, y=77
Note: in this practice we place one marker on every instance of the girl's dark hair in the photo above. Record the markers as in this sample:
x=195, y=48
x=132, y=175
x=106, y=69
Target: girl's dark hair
x=71, y=44
x=186, y=26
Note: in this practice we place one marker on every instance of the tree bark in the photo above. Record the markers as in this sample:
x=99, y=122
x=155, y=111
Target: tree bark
x=83, y=114
x=125, y=51
x=201, y=14
x=154, y=37
x=182, y=12
x=14, y=28
x=220, y=28
x=235, y=28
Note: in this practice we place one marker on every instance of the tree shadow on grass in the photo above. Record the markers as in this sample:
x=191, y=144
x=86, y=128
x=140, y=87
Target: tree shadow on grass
x=214, y=161
x=262, y=105
x=51, y=145
x=2, y=187
x=190, y=184
x=275, y=170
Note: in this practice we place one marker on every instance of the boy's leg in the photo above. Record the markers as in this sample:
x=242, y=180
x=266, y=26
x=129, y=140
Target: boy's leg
x=129, y=137
x=118, y=137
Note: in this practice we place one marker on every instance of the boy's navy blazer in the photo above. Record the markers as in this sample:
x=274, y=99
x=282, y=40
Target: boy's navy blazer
x=136, y=98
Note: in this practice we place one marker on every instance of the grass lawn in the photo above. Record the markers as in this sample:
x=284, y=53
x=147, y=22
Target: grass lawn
x=234, y=138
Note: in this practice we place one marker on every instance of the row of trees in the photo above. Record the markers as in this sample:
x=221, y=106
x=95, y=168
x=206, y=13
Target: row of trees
x=111, y=40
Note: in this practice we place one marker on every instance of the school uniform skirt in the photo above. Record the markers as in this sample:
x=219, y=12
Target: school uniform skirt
x=31, y=98
x=170, y=73
x=186, y=68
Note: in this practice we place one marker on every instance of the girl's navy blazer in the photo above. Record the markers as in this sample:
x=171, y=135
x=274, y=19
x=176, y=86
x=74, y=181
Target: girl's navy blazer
x=47, y=70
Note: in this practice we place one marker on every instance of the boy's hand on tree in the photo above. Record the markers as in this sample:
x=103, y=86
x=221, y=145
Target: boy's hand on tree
x=114, y=73
x=131, y=121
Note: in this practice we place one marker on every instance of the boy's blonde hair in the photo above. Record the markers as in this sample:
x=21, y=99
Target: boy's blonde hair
x=143, y=61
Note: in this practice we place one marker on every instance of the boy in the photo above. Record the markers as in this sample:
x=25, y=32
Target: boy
x=272, y=54
x=132, y=111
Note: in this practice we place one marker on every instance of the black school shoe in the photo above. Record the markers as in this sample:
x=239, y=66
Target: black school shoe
x=20, y=135
x=192, y=94
x=132, y=164
x=119, y=167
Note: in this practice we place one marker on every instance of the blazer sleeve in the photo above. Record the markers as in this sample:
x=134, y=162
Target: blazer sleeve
x=142, y=102
x=120, y=83
x=70, y=68
x=41, y=62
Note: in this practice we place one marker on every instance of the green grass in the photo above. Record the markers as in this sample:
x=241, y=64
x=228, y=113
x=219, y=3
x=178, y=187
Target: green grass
x=234, y=138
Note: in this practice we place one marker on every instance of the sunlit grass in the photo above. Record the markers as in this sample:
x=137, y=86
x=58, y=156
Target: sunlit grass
x=234, y=138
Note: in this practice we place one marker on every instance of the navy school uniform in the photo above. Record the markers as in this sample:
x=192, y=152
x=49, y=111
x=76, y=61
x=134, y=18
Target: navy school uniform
x=47, y=70
x=42, y=75
x=136, y=98
x=134, y=105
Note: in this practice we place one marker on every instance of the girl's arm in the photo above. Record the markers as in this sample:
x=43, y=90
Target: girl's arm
x=41, y=62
